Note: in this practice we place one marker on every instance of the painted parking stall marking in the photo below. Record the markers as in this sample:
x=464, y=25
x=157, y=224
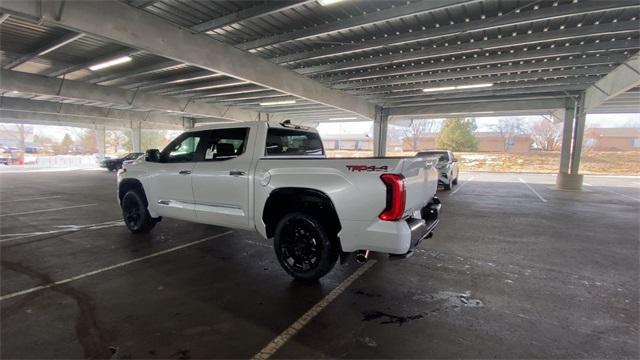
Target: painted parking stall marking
x=47, y=210
x=112, y=267
x=31, y=199
x=461, y=185
x=61, y=229
x=533, y=190
x=299, y=324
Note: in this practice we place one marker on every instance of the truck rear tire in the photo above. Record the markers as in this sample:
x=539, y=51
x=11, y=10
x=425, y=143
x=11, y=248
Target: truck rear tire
x=135, y=213
x=304, y=248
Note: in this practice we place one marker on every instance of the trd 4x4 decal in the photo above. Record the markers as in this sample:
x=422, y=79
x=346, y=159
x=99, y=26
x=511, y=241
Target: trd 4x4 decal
x=367, y=168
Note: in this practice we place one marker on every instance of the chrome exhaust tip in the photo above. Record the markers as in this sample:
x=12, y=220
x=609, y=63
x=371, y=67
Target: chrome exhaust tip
x=362, y=256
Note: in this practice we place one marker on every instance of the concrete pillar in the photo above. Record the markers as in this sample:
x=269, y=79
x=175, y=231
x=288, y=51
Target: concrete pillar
x=578, y=136
x=380, y=126
x=136, y=138
x=567, y=137
x=100, y=140
x=570, y=179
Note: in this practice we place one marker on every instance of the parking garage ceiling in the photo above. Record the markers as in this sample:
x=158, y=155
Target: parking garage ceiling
x=314, y=60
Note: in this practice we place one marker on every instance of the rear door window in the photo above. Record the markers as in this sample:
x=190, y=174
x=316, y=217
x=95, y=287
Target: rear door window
x=224, y=144
x=290, y=142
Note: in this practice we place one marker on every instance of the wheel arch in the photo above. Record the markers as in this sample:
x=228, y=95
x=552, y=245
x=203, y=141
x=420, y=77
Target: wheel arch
x=286, y=200
x=131, y=184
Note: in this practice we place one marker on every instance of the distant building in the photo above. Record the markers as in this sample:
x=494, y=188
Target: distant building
x=487, y=141
x=496, y=142
x=347, y=142
x=612, y=139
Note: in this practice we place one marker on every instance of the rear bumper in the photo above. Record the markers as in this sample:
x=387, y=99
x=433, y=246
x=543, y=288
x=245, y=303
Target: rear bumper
x=391, y=237
x=421, y=228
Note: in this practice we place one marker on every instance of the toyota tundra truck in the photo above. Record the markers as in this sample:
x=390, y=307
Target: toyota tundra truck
x=275, y=179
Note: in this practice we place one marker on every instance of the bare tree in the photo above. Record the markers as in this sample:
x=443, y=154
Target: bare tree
x=546, y=135
x=416, y=129
x=508, y=128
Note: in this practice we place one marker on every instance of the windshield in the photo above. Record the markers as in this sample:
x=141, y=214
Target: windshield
x=443, y=156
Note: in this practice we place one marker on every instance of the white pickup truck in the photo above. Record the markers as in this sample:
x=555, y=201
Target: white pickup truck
x=276, y=180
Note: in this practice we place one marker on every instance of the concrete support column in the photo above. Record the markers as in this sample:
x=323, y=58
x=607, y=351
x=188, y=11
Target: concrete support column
x=567, y=137
x=136, y=138
x=100, y=140
x=380, y=126
x=569, y=177
x=578, y=136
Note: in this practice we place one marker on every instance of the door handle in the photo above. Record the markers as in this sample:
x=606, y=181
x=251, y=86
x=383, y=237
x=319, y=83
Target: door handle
x=184, y=172
x=236, y=172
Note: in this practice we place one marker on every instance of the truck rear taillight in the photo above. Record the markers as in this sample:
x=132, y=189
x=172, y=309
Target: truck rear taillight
x=396, y=197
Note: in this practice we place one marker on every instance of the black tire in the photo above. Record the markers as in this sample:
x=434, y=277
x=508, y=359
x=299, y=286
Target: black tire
x=109, y=169
x=304, y=248
x=135, y=213
x=455, y=181
x=447, y=187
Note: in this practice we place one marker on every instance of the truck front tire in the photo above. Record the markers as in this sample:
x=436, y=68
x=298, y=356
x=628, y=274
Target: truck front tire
x=135, y=213
x=304, y=248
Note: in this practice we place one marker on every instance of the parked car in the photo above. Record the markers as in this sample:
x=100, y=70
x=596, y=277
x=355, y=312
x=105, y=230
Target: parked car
x=276, y=180
x=116, y=163
x=447, y=167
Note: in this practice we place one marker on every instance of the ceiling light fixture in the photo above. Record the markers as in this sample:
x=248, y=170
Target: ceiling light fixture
x=328, y=2
x=273, y=103
x=113, y=62
x=459, y=87
x=344, y=118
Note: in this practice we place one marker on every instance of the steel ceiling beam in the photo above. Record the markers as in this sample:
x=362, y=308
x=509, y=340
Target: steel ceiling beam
x=71, y=89
x=172, y=80
x=71, y=37
x=416, y=100
x=86, y=112
x=247, y=14
x=121, y=23
x=520, y=40
x=110, y=76
x=444, y=64
x=3, y=17
x=543, y=106
x=512, y=19
x=537, y=75
x=516, y=86
x=621, y=79
x=415, y=8
x=202, y=86
x=442, y=77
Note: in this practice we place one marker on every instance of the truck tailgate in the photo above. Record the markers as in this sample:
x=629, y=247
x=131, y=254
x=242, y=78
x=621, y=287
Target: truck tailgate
x=421, y=181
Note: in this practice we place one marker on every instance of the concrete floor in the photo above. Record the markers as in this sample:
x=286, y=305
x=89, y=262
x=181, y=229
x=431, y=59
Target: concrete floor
x=509, y=274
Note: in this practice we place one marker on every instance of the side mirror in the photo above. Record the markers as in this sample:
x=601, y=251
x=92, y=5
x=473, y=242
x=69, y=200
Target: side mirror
x=152, y=155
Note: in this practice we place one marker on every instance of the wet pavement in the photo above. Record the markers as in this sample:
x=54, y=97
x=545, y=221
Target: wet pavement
x=516, y=269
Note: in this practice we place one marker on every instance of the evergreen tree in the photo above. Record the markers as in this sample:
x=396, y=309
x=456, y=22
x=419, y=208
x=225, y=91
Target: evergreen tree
x=457, y=135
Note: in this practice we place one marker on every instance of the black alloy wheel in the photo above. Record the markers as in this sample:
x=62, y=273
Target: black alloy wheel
x=304, y=248
x=135, y=213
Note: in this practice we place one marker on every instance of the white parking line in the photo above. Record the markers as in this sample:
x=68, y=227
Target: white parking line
x=61, y=228
x=45, y=210
x=299, y=324
x=461, y=185
x=30, y=199
x=533, y=190
x=119, y=265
